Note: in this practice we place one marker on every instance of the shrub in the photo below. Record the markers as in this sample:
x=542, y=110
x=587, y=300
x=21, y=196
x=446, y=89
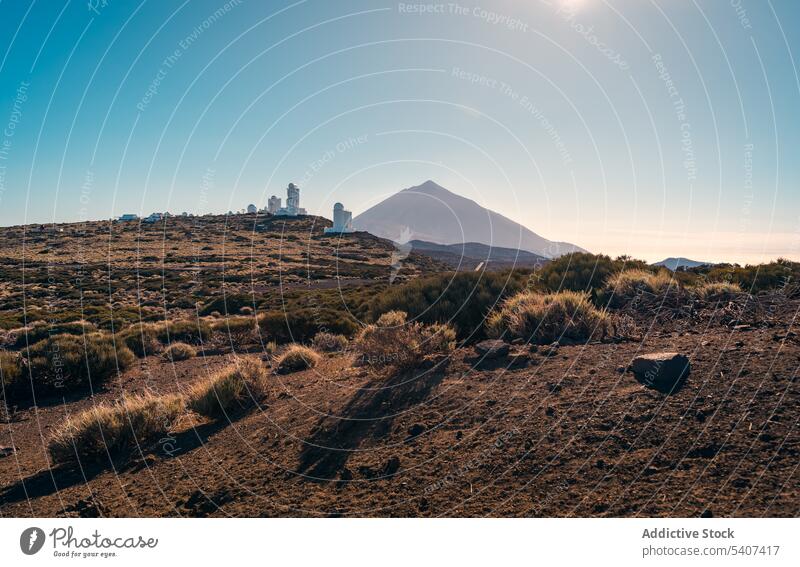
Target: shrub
x=544, y=318
x=623, y=286
x=328, y=342
x=194, y=332
x=229, y=303
x=41, y=330
x=149, y=338
x=112, y=429
x=66, y=363
x=754, y=279
x=234, y=388
x=300, y=325
x=236, y=329
x=141, y=339
x=179, y=351
x=462, y=300
x=297, y=357
x=393, y=342
x=582, y=271
x=717, y=290
x=10, y=371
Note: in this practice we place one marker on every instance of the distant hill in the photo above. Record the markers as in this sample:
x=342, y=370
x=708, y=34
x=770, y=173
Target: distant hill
x=680, y=263
x=470, y=256
x=431, y=213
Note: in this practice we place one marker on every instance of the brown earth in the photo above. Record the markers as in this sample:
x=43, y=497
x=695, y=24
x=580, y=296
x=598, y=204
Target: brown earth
x=562, y=433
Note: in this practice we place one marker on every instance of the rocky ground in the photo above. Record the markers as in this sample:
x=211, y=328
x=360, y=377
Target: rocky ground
x=556, y=432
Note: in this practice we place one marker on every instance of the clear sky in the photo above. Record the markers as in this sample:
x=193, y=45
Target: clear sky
x=650, y=127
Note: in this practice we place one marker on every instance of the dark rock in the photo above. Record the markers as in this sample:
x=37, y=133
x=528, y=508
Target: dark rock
x=391, y=466
x=491, y=349
x=703, y=452
x=6, y=451
x=518, y=341
x=416, y=429
x=663, y=371
x=707, y=514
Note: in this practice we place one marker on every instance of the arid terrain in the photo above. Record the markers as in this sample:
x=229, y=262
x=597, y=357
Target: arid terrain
x=551, y=428
x=561, y=435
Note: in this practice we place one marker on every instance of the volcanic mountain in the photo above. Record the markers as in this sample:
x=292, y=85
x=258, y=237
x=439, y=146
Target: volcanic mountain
x=431, y=213
x=680, y=263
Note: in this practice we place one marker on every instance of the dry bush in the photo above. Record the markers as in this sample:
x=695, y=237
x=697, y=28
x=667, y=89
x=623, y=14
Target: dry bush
x=630, y=282
x=234, y=388
x=302, y=324
x=10, y=371
x=328, y=342
x=393, y=342
x=236, y=329
x=296, y=358
x=40, y=330
x=194, y=332
x=717, y=291
x=141, y=339
x=149, y=338
x=66, y=363
x=544, y=318
x=642, y=289
x=112, y=429
x=179, y=351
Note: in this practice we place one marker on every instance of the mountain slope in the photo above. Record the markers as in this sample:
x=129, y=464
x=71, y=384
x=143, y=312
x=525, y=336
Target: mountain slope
x=676, y=263
x=473, y=255
x=432, y=213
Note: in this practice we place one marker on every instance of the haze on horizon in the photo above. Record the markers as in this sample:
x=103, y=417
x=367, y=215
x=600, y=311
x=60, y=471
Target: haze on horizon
x=652, y=128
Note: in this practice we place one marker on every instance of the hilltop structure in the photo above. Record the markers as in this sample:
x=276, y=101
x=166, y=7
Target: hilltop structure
x=252, y=209
x=292, y=208
x=273, y=205
x=342, y=220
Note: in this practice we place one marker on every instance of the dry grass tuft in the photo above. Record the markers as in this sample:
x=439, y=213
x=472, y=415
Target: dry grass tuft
x=717, y=290
x=328, y=342
x=232, y=389
x=296, y=358
x=393, y=342
x=544, y=318
x=65, y=363
x=112, y=429
x=628, y=283
x=179, y=351
x=10, y=370
x=148, y=338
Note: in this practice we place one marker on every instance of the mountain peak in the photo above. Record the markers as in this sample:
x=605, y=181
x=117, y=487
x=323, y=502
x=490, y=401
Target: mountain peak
x=428, y=186
x=431, y=213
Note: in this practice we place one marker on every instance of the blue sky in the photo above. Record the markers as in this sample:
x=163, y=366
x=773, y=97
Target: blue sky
x=654, y=128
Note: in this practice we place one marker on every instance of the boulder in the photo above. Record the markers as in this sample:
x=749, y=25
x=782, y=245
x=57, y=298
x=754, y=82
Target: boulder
x=664, y=371
x=491, y=349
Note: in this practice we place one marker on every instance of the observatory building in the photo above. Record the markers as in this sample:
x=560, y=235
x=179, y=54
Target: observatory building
x=292, y=208
x=273, y=205
x=252, y=209
x=342, y=220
